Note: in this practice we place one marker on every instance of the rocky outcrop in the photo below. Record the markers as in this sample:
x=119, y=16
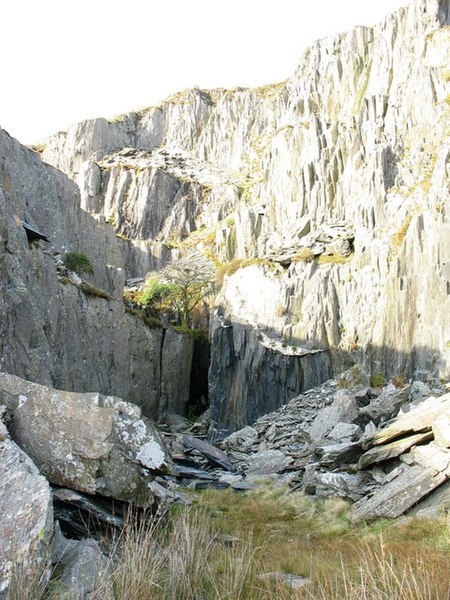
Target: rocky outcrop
x=250, y=375
x=89, y=442
x=26, y=518
x=55, y=329
x=332, y=441
x=338, y=176
x=422, y=468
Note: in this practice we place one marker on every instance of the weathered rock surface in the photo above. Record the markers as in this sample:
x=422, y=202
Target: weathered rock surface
x=64, y=335
x=89, y=442
x=419, y=419
x=402, y=492
x=249, y=377
x=26, y=515
x=83, y=569
x=340, y=175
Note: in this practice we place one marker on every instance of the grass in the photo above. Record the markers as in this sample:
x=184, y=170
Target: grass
x=362, y=89
x=217, y=548
x=377, y=380
x=335, y=259
x=200, y=334
x=91, y=290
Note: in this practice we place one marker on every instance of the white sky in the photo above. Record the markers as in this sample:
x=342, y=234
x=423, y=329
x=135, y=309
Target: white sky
x=67, y=60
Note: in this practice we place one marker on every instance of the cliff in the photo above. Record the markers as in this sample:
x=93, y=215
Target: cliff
x=53, y=331
x=331, y=189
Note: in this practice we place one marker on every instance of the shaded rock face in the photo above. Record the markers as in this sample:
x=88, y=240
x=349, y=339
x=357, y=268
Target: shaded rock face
x=52, y=332
x=248, y=378
x=89, y=442
x=26, y=514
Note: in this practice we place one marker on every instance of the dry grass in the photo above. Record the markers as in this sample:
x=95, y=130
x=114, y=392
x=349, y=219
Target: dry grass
x=335, y=259
x=216, y=550
x=304, y=255
x=230, y=268
x=399, y=236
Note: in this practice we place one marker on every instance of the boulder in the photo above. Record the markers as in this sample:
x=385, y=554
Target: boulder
x=342, y=410
x=82, y=567
x=430, y=467
x=265, y=463
x=419, y=419
x=26, y=516
x=380, y=454
x=441, y=431
x=345, y=431
x=89, y=442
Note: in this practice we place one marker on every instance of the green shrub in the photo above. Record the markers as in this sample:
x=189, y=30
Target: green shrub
x=155, y=291
x=377, y=380
x=78, y=262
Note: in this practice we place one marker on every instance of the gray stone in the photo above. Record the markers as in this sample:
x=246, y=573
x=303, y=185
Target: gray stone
x=214, y=455
x=334, y=455
x=441, y=430
x=419, y=419
x=271, y=461
x=380, y=454
x=248, y=378
x=338, y=484
x=26, y=516
x=345, y=430
x=293, y=581
x=386, y=404
x=400, y=494
x=435, y=504
x=342, y=410
x=92, y=443
x=83, y=570
x=86, y=506
x=419, y=391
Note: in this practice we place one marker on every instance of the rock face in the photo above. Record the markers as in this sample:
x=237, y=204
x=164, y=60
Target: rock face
x=52, y=331
x=250, y=377
x=339, y=176
x=89, y=442
x=26, y=515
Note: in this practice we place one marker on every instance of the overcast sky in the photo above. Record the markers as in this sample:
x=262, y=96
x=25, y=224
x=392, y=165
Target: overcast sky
x=63, y=61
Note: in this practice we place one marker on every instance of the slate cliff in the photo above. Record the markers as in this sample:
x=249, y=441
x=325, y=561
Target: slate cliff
x=333, y=186
x=51, y=331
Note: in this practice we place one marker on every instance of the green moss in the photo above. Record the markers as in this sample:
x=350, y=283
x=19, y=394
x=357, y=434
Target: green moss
x=90, y=290
x=336, y=259
x=201, y=334
x=230, y=268
x=399, y=236
x=303, y=255
x=271, y=89
x=151, y=322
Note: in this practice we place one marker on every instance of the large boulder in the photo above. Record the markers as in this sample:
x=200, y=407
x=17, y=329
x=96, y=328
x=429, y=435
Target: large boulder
x=26, y=515
x=89, y=442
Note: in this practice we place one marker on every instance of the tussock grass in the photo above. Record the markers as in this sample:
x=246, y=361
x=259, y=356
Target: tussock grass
x=217, y=548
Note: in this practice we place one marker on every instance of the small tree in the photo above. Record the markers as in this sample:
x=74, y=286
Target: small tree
x=156, y=295
x=193, y=279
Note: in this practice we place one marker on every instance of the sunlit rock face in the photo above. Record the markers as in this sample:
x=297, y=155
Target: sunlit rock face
x=338, y=178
